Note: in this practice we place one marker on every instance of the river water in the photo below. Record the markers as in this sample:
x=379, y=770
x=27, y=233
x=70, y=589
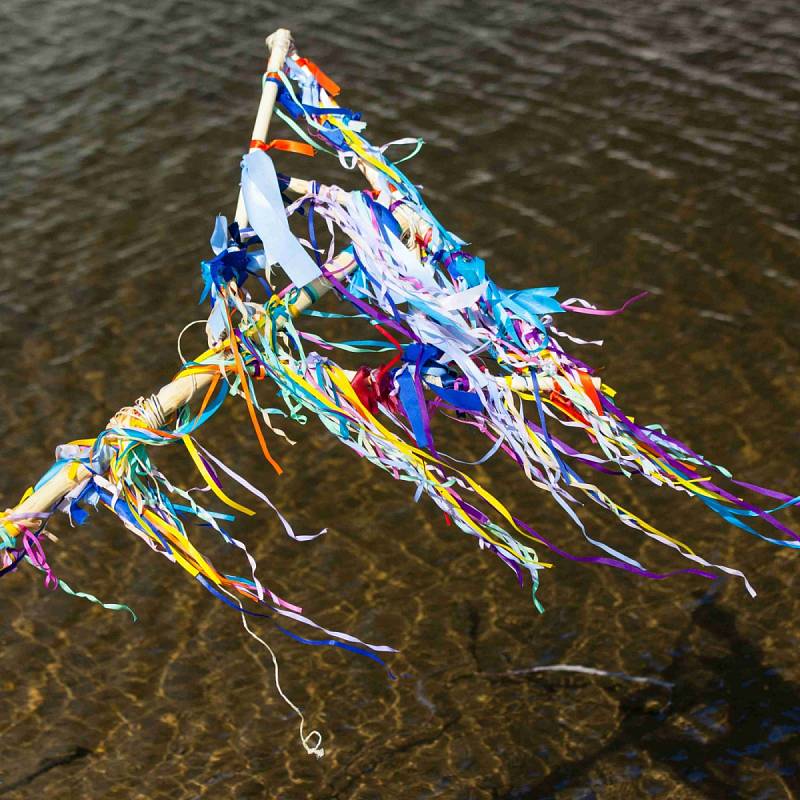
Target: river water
x=605, y=148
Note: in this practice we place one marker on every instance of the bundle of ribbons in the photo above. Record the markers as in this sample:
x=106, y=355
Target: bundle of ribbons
x=444, y=340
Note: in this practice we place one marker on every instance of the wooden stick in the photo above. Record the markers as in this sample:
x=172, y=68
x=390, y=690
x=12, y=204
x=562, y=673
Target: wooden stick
x=279, y=45
x=185, y=389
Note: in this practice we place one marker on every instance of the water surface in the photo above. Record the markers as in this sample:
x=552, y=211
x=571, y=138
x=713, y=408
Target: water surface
x=606, y=148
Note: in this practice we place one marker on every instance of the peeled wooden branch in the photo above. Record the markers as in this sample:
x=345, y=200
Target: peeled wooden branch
x=186, y=389
x=279, y=44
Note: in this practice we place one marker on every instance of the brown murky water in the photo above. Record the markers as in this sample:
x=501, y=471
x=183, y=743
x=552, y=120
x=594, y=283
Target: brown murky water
x=603, y=147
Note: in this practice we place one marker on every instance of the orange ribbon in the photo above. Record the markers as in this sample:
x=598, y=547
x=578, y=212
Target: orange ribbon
x=588, y=387
x=237, y=358
x=287, y=145
x=329, y=85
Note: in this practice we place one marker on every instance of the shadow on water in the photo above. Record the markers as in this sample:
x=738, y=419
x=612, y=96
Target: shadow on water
x=76, y=754
x=756, y=714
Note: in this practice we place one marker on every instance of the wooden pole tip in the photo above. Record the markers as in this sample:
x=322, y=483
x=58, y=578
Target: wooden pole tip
x=281, y=39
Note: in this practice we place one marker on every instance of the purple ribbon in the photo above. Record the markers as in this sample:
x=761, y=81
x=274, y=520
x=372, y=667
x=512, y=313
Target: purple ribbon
x=35, y=553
